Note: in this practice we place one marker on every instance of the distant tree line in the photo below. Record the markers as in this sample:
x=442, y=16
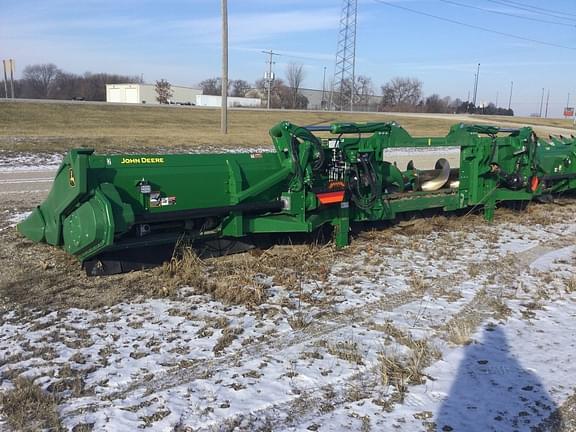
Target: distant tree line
x=405, y=95
x=400, y=94
x=47, y=81
x=283, y=94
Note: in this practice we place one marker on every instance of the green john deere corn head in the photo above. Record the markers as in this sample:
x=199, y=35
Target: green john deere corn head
x=107, y=210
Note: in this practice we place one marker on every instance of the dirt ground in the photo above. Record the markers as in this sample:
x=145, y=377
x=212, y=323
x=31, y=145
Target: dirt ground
x=43, y=281
x=368, y=318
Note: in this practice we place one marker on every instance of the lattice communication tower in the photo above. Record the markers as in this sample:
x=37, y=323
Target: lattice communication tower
x=346, y=57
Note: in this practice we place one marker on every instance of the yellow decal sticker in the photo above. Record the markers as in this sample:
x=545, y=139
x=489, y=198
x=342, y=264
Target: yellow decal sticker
x=71, y=178
x=142, y=160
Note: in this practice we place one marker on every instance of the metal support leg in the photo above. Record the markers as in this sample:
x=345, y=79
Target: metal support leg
x=489, y=208
x=342, y=226
x=235, y=225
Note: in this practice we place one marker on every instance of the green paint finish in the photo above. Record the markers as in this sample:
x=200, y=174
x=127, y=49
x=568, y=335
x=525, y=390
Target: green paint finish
x=100, y=203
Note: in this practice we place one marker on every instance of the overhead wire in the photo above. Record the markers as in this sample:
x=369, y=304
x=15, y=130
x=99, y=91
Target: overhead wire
x=310, y=58
x=508, y=14
x=473, y=26
x=535, y=9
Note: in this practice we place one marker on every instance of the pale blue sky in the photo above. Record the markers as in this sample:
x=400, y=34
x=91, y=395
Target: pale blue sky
x=180, y=40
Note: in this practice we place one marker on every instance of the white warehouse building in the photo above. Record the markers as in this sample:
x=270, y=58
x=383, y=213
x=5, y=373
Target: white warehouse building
x=216, y=101
x=146, y=94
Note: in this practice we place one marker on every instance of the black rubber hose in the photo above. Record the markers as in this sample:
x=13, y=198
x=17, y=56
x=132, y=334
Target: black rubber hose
x=305, y=134
x=371, y=180
x=296, y=159
x=371, y=177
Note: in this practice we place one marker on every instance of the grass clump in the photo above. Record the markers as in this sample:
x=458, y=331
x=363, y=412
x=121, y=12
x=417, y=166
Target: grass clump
x=460, y=332
x=185, y=268
x=242, y=279
x=28, y=408
x=401, y=371
x=571, y=285
x=229, y=334
x=346, y=350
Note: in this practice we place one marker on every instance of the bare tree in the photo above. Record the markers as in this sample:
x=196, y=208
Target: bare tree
x=295, y=75
x=363, y=89
x=435, y=104
x=47, y=80
x=93, y=85
x=339, y=91
x=401, y=94
x=67, y=86
x=164, y=91
x=213, y=86
x=39, y=79
x=239, y=88
x=280, y=94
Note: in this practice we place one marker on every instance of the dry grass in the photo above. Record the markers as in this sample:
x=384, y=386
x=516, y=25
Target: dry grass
x=28, y=408
x=347, y=351
x=393, y=372
x=474, y=269
x=400, y=371
x=243, y=278
x=563, y=123
x=229, y=334
x=299, y=321
x=460, y=332
x=418, y=284
x=59, y=126
x=184, y=269
x=571, y=285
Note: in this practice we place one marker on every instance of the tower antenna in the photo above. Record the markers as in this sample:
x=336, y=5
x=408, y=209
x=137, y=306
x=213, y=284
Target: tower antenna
x=346, y=55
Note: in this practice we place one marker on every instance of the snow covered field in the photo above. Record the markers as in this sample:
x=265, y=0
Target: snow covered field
x=432, y=325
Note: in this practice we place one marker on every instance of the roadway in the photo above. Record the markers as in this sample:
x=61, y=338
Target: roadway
x=20, y=182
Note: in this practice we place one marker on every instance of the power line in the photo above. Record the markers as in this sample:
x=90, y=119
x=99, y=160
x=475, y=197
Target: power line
x=507, y=14
x=484, y=29
x=529, y=8
x=310, y=58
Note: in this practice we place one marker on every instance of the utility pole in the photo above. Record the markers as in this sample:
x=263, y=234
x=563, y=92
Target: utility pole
x=510, y=99
x=541, y=103
x=547, y=101
x=497, y=94
x=269, y=76
x=476, y=85
x=12, y=69
x=5, y=79
x=323, y=103
x=224, y=108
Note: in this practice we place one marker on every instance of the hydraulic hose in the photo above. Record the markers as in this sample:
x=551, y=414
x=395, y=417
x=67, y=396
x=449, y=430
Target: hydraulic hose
x=306, y=135
x=369, y=175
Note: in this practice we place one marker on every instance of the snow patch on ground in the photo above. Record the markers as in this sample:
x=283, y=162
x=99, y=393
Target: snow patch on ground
x=10, y=162
x=484, y=311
